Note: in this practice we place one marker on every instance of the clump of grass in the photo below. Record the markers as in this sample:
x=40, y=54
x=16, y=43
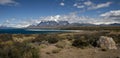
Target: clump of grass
x=80, y=43
x=18, y=50
x=43, y=46
x=40, y=38
x=56, y=50
x=50, y=38
x=5, y=37
x=61, y=44
x=115, y=36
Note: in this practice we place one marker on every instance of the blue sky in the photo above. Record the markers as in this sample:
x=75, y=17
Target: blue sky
x=15, y=12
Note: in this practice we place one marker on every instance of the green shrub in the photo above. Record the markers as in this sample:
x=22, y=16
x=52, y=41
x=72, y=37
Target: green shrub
x=92, y=38
x=18, y=50
x=80, y=43
x=61, y=44
x=5, y=37
x=40, y=38
x=115, y=36
x=70, y=37
x=52, y=40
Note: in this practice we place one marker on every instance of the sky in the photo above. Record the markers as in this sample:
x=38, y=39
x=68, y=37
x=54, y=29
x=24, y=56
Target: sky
x=22, y=13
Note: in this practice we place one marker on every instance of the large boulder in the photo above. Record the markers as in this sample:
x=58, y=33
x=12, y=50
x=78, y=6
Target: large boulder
x=106, y=43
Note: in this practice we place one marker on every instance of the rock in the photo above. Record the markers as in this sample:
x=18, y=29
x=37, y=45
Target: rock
x=106, y=43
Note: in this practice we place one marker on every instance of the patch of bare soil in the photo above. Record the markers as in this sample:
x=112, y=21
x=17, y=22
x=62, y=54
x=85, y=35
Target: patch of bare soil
x=49, y=52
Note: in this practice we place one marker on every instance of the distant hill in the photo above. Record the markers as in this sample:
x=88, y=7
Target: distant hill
x=5, y=27
x=115, y=24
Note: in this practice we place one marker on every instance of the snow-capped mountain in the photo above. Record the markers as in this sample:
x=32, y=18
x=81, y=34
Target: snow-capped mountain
x=53, y=23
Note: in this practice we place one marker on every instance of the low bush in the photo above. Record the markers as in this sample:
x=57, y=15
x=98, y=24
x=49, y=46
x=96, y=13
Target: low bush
x=80, y=43
x=40, y=38
x=61, y=44
x=115, y=36
x=5, y=37
x=52, y=40
x=18, y=50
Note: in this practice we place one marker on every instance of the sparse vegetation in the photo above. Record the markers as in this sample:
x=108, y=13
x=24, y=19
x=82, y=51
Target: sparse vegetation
x=12, y=49
x=29, y=45
x=18, y=50
x=61, y=44
x=5, y=37
x=80, y=43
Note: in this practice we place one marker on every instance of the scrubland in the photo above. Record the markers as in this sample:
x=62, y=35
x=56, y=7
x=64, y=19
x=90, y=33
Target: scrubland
x=58, y=45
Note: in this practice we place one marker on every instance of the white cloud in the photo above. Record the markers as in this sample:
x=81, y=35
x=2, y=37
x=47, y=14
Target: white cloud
x=71, y=18
x=78, y=5
x=20, y=23
x=74, y=18
x=113, y=13
x=62, y=4
x=102, y=5
x=88, y=3
x=75, y=4
x=8, y=2
x=7, y=21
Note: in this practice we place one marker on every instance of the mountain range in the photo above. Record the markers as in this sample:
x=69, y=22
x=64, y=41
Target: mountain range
x=57, y=24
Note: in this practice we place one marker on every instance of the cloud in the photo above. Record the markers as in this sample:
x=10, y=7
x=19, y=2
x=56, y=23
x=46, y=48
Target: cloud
x=97, y=6
x=8, y=2
x=82, y=6
x=71, y=18
x=17, y=23
x=7, y=21
x=62, y=4
x=88, y=3
x=74, y=18
x=113, y=13
x=78, y=5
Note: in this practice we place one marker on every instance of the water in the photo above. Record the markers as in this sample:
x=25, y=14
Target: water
x=30, y=31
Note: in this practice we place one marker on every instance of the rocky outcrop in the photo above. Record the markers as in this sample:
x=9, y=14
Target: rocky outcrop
x=106, y=43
